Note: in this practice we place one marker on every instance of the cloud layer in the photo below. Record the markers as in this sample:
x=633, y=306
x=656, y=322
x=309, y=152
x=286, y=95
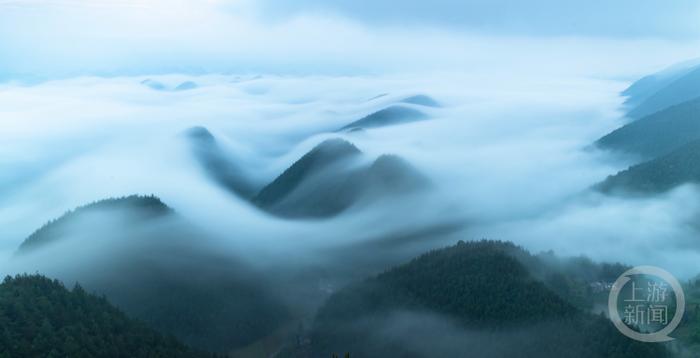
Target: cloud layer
x=508, y=155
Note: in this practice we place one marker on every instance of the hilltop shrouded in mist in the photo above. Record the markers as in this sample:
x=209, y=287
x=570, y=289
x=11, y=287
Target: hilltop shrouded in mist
x=137, y=210
x=151, y=263
x=325, y=182
x=684, y=87
x=387, y=117
x=418, y=309
x=217, y=164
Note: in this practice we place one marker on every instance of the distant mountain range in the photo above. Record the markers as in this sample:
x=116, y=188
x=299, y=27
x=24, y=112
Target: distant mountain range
x=664, y=138
x=330, y=156
x=448, y=302
x=332, y=177
x=150, y=262
x=656, y=92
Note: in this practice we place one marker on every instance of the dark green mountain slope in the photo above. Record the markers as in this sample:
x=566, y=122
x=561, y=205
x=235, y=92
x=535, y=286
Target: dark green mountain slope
x=326, y=181
x=682, y=89
x=657, y=134
x=159, y=269
x=389, y=116
x=680, y=166
x=136, y=209
x=41, y=318
x=216, y=164
x=470, y=300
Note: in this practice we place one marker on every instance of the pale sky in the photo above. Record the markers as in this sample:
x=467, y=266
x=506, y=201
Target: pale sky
x=42, y=39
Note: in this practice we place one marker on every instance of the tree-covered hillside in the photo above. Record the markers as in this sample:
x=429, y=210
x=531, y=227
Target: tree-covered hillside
x=328, y=154
x=159, y=268
x=680, y=166
x=472, y=299
x=328, y=180
x=39, y=317
x=136, y=208
x=656, y=134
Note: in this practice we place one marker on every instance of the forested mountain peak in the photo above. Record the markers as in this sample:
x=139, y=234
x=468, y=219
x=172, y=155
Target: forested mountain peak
x=325, y=154
x=473, y=293
x=137, y=207
x=324, y=183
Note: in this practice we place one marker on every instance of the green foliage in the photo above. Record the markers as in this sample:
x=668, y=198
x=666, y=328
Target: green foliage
x=688, y=332
x=474, y=282
x=572, y=278
x=658, y=175
x=41, y=318
x=482, y=287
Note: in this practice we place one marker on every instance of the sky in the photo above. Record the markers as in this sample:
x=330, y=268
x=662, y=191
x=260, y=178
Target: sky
x=622, y=18
x=42, y=39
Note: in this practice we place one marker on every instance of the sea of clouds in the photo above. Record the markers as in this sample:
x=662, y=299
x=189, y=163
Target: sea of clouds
x=511, y=159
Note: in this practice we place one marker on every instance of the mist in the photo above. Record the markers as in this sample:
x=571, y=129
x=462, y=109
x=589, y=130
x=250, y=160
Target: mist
x=507, y=162
x=261, y=172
